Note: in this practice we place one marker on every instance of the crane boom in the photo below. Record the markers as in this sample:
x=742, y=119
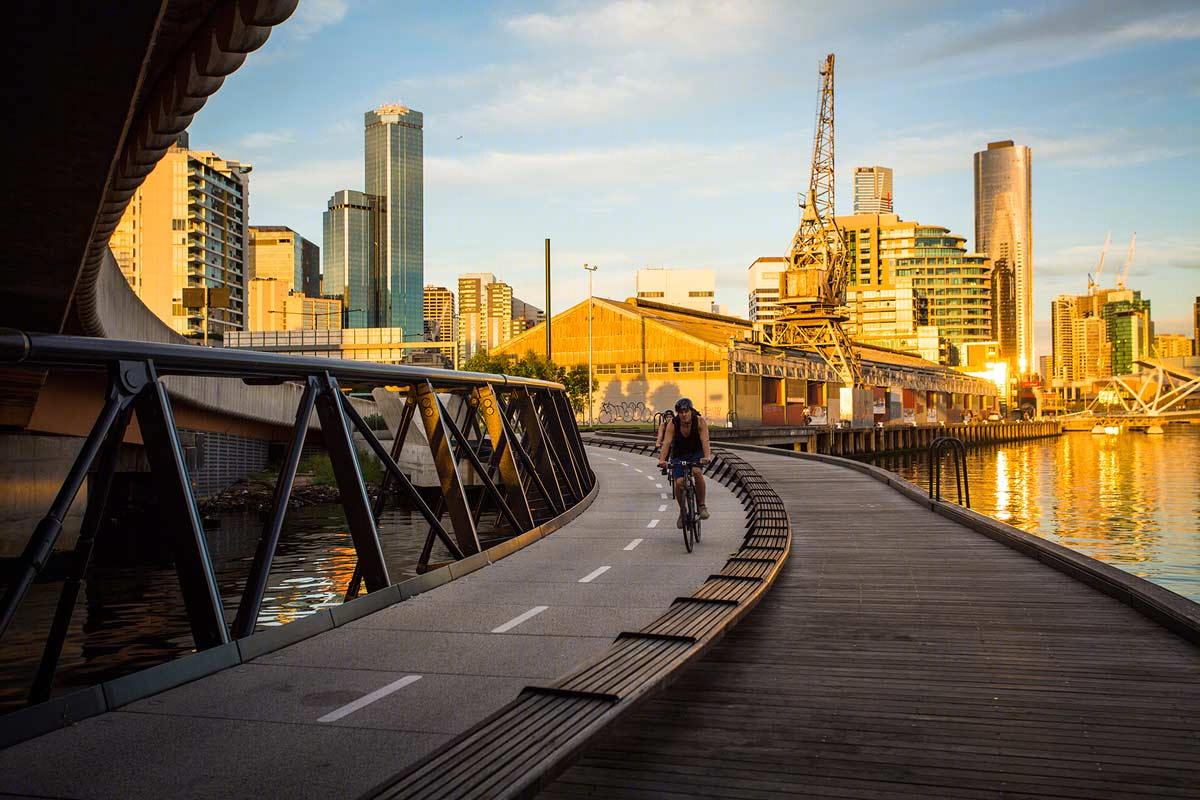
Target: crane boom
x=813, y=286
x=1128, y=260
x=1093, y=285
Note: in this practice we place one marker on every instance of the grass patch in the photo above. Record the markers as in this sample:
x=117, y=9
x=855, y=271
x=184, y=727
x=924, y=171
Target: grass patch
x=320, y=469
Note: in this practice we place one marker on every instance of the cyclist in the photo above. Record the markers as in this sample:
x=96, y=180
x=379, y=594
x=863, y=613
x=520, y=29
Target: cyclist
x=687, y=440
x=661, y=440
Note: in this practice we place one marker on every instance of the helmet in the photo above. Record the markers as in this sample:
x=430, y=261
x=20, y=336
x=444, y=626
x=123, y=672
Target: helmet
x=684, y=404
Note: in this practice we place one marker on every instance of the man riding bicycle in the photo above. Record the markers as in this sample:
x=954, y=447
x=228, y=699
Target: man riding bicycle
x=687, y=440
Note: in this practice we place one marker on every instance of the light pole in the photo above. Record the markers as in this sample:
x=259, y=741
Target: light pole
x=590, y=270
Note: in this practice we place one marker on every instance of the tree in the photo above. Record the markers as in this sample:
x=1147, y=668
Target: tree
x=531, y=365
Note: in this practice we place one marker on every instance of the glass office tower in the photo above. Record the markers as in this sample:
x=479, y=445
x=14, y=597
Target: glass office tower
x=351, y=266
x=394, y=173
x=1004, y=231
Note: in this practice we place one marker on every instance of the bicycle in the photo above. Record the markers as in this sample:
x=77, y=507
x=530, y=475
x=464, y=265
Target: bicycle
x=691, y=510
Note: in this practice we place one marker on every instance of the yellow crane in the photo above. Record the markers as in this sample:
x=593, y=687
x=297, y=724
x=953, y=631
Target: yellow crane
x=1093, y=285
x=812, y=290
x=1128, y=259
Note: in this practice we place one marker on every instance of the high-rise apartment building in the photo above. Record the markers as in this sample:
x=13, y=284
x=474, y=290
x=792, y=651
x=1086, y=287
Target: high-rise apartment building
x=872, y=190
x=1004, y=231
x=1080, y=348
x=1171, y=345
x=525, y=316
x=1130, y=331
x=688, y=288
x=277, y=251
x=439, y=313
x=352, y=265
x=864, y=249
x=272, y=306
x=185, y=227
x=893, y=318
x=764, y=290
x=935, y=264
x=887, y=257
x=473, y=313
x=395, y=173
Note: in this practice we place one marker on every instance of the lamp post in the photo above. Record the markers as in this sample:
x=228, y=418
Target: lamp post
x=590, y=270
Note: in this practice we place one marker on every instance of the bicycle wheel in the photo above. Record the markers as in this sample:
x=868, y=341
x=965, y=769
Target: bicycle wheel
x=689, y=514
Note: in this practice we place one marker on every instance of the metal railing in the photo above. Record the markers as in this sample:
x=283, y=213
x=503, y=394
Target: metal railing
x=518, y=436
x=958, y=454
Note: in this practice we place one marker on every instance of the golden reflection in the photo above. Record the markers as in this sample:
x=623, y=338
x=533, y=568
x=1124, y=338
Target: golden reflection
x=1003, y=492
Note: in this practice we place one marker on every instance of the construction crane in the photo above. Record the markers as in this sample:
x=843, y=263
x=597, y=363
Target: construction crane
x=1094, y=285
x=1128, y=259
x=812, y=290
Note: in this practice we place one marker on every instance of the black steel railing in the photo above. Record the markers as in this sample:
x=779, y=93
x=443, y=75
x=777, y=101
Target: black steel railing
x=958, y=455
x=517, y=436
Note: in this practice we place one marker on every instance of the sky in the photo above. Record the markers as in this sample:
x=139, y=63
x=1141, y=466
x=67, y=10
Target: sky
x=677, y=134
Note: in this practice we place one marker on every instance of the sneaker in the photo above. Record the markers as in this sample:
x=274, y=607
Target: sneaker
x=679, y=521
x=703, y=512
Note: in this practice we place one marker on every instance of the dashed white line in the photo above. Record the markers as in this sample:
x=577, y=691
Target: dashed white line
x=623, y=464
x=657, y=485
x=663, y=507
x=652, y=523
x=633, y=544
x=635, y=469
x=367, y=699
x=665, y=496
x=517, y=620
x=596, y=573
x=610, y=458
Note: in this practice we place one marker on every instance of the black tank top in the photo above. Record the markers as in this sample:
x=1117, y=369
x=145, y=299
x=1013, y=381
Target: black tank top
x=683, y=445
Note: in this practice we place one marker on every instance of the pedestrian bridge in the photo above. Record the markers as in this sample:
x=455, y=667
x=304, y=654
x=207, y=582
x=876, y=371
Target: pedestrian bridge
x=835, y=633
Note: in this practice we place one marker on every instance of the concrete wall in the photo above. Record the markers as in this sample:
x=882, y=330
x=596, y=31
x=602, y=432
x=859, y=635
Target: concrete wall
x=32, y=469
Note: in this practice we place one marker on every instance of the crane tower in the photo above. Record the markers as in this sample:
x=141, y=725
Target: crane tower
x=812, y=290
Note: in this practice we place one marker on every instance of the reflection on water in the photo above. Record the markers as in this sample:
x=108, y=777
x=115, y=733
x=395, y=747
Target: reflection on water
x=130, y=613
x=1132, y=500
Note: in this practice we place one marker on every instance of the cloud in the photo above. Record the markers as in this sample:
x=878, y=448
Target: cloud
x=694, y=29
x=313, y=15
x=1008, y=41
x=621, y=171
x=264, y=140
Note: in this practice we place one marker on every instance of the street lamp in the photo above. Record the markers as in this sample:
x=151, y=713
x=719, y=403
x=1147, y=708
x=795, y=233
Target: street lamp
x=590, y=270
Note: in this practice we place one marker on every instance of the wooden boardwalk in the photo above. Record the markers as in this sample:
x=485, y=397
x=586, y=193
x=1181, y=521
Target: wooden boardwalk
x=901, y=654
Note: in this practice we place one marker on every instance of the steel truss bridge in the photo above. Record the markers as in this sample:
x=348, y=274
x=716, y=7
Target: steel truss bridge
x=1157, y=392
x=516, y=437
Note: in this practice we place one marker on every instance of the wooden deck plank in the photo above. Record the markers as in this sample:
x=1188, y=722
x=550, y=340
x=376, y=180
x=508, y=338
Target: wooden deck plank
x=901, y=654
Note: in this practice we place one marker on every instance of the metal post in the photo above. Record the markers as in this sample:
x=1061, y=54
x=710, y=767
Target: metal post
x=549, y=352
x=591, y=307
x=256, y=583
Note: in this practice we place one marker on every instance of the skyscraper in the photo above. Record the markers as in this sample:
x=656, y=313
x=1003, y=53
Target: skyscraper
x=1196, y=327
x=185, y=227
x=872, y=190
x=277, y=251
x=439, y=313
x=1004, y=230
x=394, y=169
x=352, y=264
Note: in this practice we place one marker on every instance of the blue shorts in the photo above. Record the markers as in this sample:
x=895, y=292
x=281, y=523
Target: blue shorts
x=676, y=469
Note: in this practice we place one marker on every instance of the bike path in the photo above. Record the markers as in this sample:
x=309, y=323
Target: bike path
x=337, y=713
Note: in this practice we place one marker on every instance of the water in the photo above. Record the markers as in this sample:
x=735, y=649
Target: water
x=1131, y=500
x=130, y=613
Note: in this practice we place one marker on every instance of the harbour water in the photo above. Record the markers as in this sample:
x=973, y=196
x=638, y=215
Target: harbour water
x=130, y=614
x=1129, y=499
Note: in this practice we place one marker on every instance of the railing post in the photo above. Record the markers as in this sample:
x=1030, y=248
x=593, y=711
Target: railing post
x=256, y=582
x=192, y=561
x=346, y=471
x=447, y=467
x=510, y=476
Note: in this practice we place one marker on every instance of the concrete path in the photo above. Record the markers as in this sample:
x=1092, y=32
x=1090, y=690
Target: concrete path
x=335, y=714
